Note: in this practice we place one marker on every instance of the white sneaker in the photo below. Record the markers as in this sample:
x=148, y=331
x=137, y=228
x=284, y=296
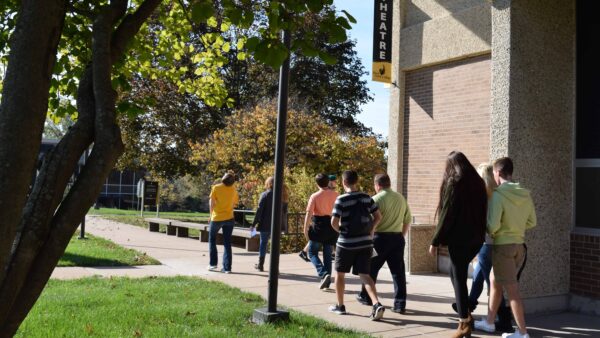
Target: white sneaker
x=516, y=334
x=212, y=268
x=483, y=325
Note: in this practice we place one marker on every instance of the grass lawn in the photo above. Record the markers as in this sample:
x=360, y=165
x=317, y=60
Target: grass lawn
x=139, y=221
x=159, y=307
x=133, y=217
x=201, y=217
x=94, y=251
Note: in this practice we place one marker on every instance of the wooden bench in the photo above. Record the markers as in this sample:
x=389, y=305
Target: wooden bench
x=240, y=237
x=154, y=223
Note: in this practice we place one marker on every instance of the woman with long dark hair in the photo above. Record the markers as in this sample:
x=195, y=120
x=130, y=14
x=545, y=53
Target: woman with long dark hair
x=461, y=215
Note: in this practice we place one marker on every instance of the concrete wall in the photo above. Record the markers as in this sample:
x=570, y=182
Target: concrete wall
x=439, y=31
x=532, y=122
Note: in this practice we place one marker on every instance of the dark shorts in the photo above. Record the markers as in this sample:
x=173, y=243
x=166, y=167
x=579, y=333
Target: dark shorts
x=359, y=260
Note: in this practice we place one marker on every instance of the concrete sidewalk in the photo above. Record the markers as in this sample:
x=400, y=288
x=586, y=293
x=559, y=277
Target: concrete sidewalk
x=428, y=307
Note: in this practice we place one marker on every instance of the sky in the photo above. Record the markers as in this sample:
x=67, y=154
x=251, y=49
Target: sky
x=374, y=114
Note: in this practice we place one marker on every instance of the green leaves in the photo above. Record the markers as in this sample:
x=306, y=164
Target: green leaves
x=350, y=17
x=189, y=43
x=314, y=6
x=202, y=11
x=271, y=52
x=327, y=58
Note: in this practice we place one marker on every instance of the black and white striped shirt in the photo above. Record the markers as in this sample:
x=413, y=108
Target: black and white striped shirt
x=354, y=210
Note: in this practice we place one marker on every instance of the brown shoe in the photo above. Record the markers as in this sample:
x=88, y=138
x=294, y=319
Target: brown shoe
x=464, y=328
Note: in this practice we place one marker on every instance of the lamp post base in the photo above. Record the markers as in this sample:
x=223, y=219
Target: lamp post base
x=263, y=315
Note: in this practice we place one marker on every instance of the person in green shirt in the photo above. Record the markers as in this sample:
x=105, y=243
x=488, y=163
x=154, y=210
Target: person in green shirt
x=389, y=240
x=511, y=212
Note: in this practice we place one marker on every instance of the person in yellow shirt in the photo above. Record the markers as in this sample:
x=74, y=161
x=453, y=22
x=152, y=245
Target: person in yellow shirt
x=223, y=197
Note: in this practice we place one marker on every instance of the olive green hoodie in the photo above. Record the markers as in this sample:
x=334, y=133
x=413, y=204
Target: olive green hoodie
x=510, y=213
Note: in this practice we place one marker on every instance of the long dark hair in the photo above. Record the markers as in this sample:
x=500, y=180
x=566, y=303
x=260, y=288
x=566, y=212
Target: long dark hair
x=458, y=169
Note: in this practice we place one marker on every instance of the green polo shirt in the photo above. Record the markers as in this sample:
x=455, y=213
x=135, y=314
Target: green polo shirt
x=394, y=211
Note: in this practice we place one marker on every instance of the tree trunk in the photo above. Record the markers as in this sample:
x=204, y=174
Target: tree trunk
x=30, y=251
x=23, y=109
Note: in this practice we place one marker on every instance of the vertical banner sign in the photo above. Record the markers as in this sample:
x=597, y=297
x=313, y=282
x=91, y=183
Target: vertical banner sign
x=382, y=41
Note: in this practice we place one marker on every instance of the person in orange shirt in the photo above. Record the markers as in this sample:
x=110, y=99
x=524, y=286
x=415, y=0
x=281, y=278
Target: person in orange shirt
x=318, y=230
x=223, y=197
x=332, y=186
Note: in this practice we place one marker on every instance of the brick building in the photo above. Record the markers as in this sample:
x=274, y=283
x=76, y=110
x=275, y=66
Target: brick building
x=507, y=78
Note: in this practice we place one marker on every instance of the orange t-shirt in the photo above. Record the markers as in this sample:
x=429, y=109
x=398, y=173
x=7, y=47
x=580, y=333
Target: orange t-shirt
x=321, y=203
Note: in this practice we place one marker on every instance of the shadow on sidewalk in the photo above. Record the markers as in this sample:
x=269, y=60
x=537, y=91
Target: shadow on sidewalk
x=565, y=324
x=419, y=297
x=90, y=261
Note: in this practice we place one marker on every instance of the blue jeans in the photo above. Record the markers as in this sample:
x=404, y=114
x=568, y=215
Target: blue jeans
x=481, y=273
x=214, y=228
x=264, y=241
x=323, y=268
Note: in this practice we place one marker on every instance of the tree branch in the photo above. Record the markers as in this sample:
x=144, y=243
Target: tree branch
x=81, y=11
x=130, y=25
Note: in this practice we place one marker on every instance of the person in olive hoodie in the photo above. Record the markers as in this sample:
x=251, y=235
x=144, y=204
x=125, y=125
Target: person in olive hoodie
x=510, y=213
x=461, y=226
x=262, y=219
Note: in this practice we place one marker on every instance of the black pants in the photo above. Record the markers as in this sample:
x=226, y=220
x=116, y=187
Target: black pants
x=390, y=249
x=460, y=257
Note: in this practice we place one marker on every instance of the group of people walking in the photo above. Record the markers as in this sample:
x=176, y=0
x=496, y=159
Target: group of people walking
x=480, y=213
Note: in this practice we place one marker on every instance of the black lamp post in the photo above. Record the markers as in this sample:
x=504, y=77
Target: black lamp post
x=271, y=314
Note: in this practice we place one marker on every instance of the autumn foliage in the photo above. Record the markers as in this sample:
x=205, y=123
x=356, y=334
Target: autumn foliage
x=247, y=146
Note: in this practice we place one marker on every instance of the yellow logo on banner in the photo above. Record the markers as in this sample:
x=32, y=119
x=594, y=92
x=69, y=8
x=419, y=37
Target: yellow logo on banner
x=382, y=72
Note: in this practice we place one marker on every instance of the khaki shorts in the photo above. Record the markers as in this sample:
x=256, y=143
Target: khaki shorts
x=506, y=261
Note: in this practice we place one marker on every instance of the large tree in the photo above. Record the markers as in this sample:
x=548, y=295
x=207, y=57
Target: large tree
x=159, y=139
x=70, y=57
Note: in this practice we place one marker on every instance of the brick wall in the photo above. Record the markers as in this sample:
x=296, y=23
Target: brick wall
x=447, y=107
x=585, y=265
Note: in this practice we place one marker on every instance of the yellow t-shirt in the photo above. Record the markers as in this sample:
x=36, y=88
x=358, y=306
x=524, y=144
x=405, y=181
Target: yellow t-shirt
x=225, y=198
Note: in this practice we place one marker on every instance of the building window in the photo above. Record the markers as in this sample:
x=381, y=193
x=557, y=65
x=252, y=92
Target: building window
x=587, y=162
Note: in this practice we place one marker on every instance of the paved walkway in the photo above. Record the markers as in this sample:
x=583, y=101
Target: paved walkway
x=428, y=310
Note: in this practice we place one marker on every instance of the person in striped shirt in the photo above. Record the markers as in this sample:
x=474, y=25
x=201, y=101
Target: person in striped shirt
x=355, y=216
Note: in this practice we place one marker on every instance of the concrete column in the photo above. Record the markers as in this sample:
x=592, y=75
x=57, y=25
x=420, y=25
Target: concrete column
x=396, y=112
x=532, y=119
